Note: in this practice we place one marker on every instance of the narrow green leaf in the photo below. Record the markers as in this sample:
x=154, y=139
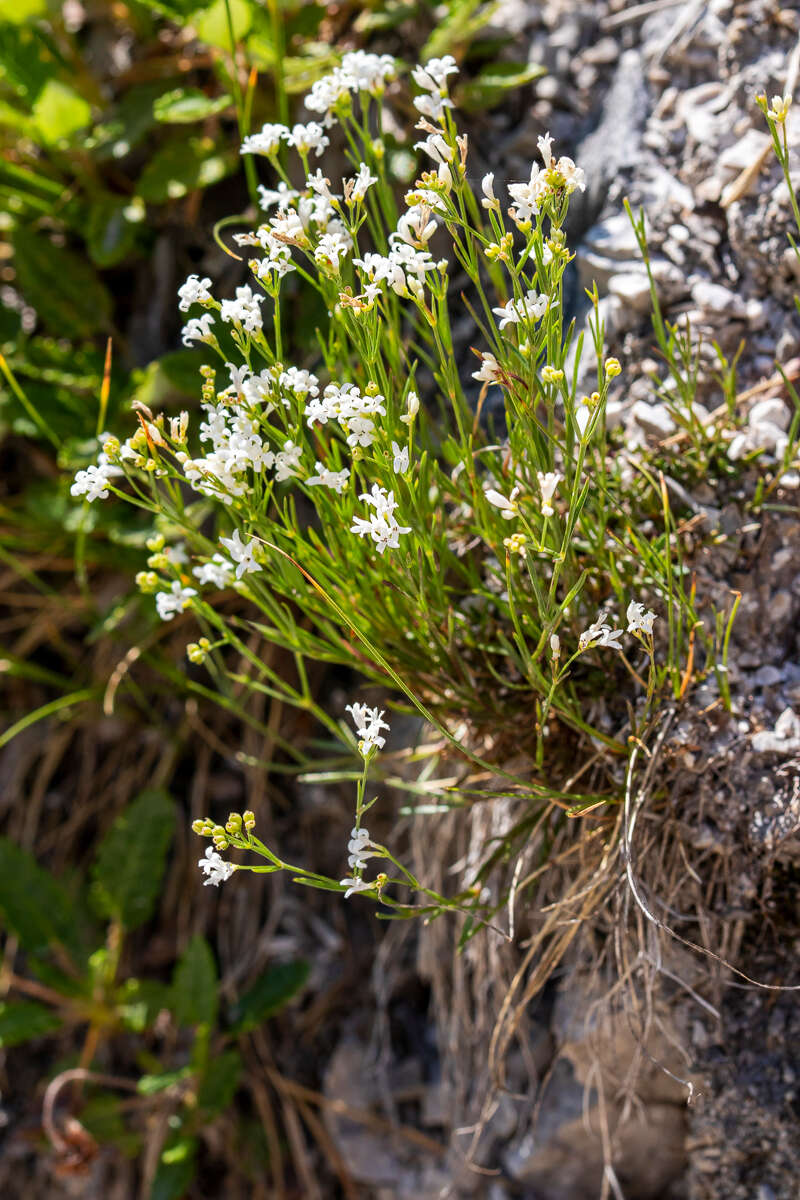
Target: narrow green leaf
x=130, y=862
x=271, y=992
x=194, y=987
x=183, y=106
x=24, y=1020
x=62, y=288
x=111, y=231
x=489, y=87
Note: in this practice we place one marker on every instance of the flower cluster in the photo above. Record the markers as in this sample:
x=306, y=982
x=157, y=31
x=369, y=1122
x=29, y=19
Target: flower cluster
x=600, y=633
x=369, y=723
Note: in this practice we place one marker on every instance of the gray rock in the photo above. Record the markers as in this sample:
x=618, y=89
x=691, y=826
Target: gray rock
x=713, y=297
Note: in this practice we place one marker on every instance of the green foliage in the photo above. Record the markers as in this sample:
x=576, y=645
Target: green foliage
x=132, y=857
x=21, y=1021
x=32, y=904
x=175, y=1170
x=219, y=1083
x=271, y=992
x=194, y=988
x=187, y=105
x=65, y=291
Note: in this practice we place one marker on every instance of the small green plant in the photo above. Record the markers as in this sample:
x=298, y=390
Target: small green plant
x=182, y=1050
x=471, y=565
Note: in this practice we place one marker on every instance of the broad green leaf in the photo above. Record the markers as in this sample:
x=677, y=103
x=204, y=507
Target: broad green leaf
x=12, y=118
x=183, y=165
x=219, y=1083
x=139, y=1001
x=130, y=862
x=271, y=992
x=149, y=1085
x=111, y=232
x=175, y=1171
x=102, y=1115
x=59, y=112
x=60, y=286
x=194, y=987
x=17, y=12
x=185, y=105
x=24, y=1020
x=490, y=86
x=212, y=23
x=32, y=903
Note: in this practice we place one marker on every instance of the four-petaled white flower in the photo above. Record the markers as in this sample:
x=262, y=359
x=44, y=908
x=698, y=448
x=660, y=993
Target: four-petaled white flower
x=242, y=553
x=548, y=482
x=639, y=620
x=174, y=601
x=530, y=307
x=600, y=633
x=400, y=459
x=193, y=291
x=215, y=867
x=490, y=370
x=197, y=329
x=368, y=722
x=382, y=525
x=412, y=408
x=508, y=505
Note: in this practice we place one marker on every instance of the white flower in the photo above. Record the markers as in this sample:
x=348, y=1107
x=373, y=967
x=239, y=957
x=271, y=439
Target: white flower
x=302, y=383
x=530, y=307
x=217, y=571
x=433, y=75
x=282, y=196
x=356, y=189
x=490, y=370
x=639, y=620
x=382, y=525
x=174, y=601
x=368, y=722
x=360, y=848
x=416, y=227
x=287, y=461
x=355, y=885
x=400, y=459
x=244, y=310
x=337, y=480
x=432, y=106
x=545, y=143
x=601, y=634
x=267, y=141
x=215, y=867
x=242, y=553
x=508, y=507
x=193, y=291
x=487, y=187
x=412, y=408
x=197, y=329
x=308, y=137
x=93, y=482
x=548, y=482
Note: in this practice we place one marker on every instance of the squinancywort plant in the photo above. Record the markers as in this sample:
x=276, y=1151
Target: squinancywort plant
x=461, y=562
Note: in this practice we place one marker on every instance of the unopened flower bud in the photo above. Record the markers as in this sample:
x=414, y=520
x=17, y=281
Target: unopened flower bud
x=158, y=562
x=156, y=542
x=613, y=368
x=147, y=582
x=249, y=819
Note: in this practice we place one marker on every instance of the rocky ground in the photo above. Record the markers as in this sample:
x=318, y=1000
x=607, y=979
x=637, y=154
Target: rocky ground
x=683, y=1081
